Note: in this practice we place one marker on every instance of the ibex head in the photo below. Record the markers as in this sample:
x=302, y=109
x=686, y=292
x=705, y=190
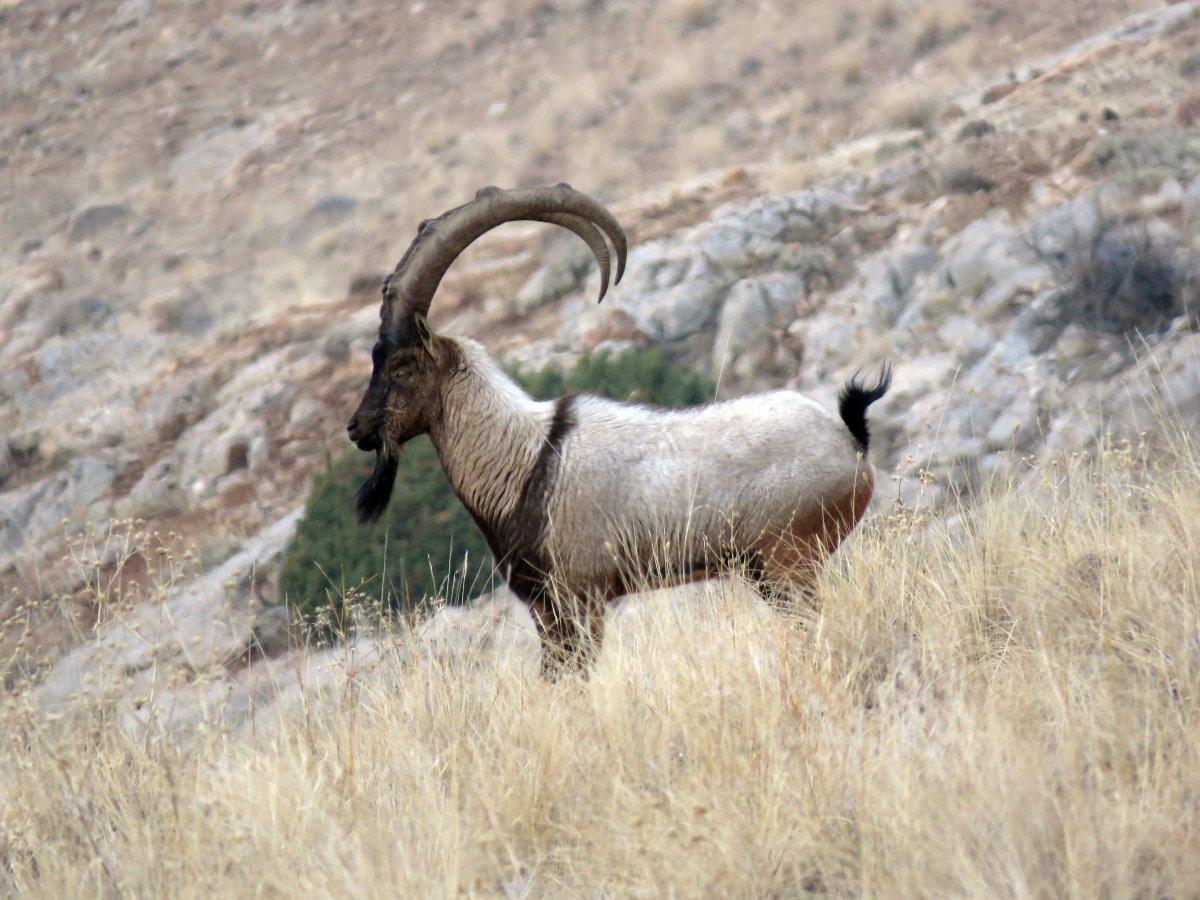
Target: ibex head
x=409, y=360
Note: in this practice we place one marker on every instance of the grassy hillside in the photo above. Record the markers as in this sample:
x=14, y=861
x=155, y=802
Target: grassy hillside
x=1008, y=704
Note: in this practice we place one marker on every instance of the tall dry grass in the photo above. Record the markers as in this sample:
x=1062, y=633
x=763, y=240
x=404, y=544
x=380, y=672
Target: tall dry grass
x=1004, y=704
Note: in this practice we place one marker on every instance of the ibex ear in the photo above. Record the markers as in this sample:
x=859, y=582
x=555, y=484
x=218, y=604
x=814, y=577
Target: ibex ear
x=424, y=332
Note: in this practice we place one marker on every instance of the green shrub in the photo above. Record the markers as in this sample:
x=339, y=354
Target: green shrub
x=426, y=544
x=637, y=376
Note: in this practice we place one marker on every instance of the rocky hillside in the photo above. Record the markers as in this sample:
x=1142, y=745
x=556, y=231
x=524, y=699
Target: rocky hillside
x=179, y=347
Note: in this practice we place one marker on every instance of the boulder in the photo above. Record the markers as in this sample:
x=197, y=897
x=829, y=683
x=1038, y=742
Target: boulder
x=34, y=511
x=743, y=338
x=887, y=278
x=91, y=220
x=680, y=311
x=754, y=311
x=985, y=252
x=159, y=492
x=734, y=248
x=563, y=272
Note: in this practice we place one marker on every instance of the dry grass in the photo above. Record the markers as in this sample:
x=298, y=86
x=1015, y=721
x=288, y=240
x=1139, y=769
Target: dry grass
x=1006, y=705
x=908, y=106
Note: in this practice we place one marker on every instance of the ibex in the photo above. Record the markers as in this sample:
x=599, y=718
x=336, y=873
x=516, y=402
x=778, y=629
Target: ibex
x=582, y=499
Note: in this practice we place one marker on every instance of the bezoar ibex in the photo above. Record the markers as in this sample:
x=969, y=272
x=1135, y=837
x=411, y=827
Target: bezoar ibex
x=583, y=499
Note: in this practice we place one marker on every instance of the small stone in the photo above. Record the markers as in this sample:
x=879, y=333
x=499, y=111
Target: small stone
x=997, y=92
x=975, y=129
x=334, y=207
x=91, y=220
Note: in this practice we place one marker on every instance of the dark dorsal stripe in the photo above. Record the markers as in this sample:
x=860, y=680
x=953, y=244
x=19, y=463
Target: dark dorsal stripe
x=516, y=541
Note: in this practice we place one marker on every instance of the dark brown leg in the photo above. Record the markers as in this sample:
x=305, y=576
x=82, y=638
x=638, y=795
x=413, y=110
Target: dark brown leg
x=789, y=585
x=797, y=591
x=570, y=633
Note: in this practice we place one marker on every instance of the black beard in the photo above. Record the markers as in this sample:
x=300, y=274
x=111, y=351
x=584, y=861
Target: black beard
x=372, y=498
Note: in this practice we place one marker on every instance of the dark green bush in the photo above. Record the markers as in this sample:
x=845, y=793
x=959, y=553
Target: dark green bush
x=1122, y=280
x=426, y=544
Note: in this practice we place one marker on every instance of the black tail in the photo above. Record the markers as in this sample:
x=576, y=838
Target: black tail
x=854, y=400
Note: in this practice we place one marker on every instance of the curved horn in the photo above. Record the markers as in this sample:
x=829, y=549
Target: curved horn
x=591, y=236
x=410, y=289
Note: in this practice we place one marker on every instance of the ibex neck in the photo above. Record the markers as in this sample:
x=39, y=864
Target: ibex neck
x=488, y=436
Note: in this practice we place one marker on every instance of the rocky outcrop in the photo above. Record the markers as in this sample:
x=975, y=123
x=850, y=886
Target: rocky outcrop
x=208, y=624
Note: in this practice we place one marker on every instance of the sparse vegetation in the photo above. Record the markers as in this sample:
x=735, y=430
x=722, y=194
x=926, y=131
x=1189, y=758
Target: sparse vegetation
x=427, y=545
x=1119, y=278
x=693, y=15
x=976, y=129
x=1187, y=113
x=945, y=23
x=1011, y=707
x=962, y=177
x=909, y=106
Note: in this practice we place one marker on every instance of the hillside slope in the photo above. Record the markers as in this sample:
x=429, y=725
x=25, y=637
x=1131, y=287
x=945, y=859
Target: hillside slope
x=179, y=347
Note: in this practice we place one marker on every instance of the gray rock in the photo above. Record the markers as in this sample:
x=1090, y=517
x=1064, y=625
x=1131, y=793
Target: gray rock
x=16, y=507
x=1040, y=323
x=229, y=439
x=335, y=207
x=805, y=216
x=965, y=337
x=975, y=129
x=986, y=252
x=159, y=492
x=34, y=511
x=564, y=271
x=87, y=479
x=1191, y=205
x=815, y=212
x=888, y=279
x=743, y=337
x=273, y=633
x=769, y=217
x=7, y=461
x=199, y=625
x=732, y=247
x=212, y=156
x=91, y=220
x=179, y=402
x=1164, y=387
x=681, y=311
x=65, y=364
x=1073, y=223
x=67, y=316
x=184, y=311
x=306, y=414
x=784, y=292
x=1016, y=428
x=753, y=311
